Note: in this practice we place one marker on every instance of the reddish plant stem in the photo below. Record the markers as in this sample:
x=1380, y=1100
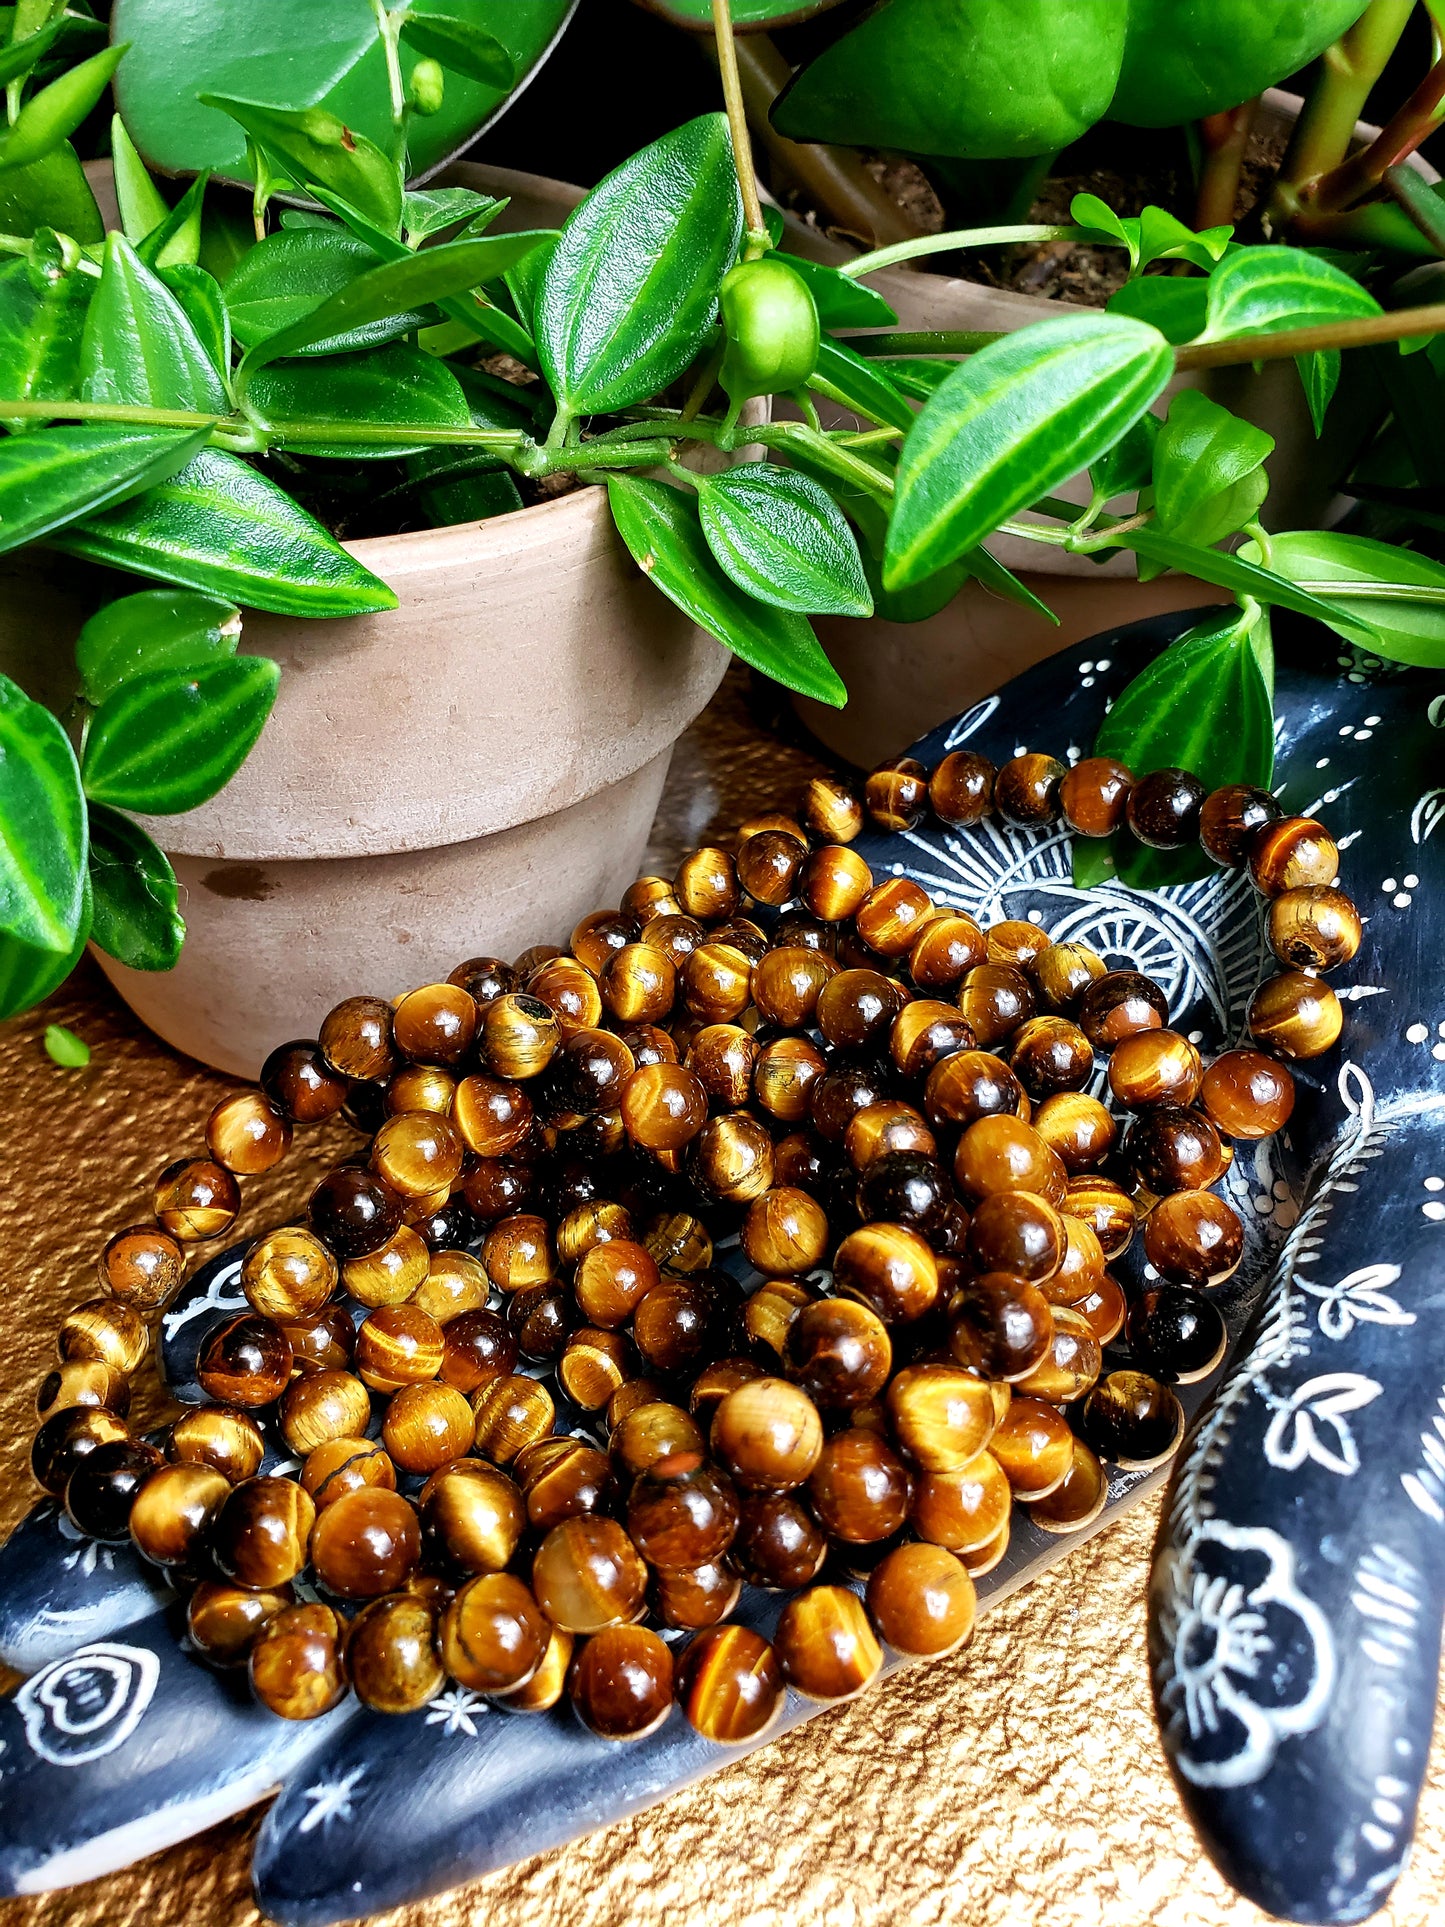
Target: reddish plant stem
x=1362, y=173
x=1225, y=138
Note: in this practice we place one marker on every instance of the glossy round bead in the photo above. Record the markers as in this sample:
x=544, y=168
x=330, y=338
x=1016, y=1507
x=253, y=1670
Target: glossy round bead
x=295, y=1662
x=770, y=1312
x=1119, y=1004
x=1034, y=1447
x=518, y=1252
x=922, y=1601
x=1247, y=1095
x=832, y=810
x=1049, y=1055
x=833, y=882
x=961, y=788
x=589, y=1072
x=472, y=1517
x=717, y=982
x=1081, y=1269
x=767, y=1435
x=839, y=1096
x=398, y=1345
x=681, y=1514
x=83, y=1382
x=1106, y=1208
x=1079, y=1128
x=1173, y=1149
x=593, y=1222
x=785, y=1233
x=325, y=1405
x=512, y=1412
x=1000, y=1326
x=102, y=1489
x=1005, y=1154
x=1079, y=1497
x=345, y=1465
x=730, y=1685
x=476, y=1348
x=969, y=1085
x=353, y=1212
x=493, y=1635
x=222, y=1621
x=288, y=1272
x=839, y=1353
x=706, y=885
x=492, y=1115
x=455, y=1283
x=365, y=1543
x=1026, y=790
x=301, y=1084
x=391, y=1656
x=1070, y=1366
x=1133, y=1421
x=648, y=1432
x=436, y=1024
x=390, y=1274
x=142, y=1266
x=612, y=1280
x=196, y=1199
x=1163, y=808
x=672, y=1324
x=356, y=1039
x=779, y=1543
x=910, y=1189
x=788, y=983
x=587, y=1574
x=1292, y=854
x=1094, y=795
x=664, y=1106
x=172, y=1512
x=1104, y=1309
x=1316, y=928
x=426, y=1426
x=675, y=936
x=945, y=950
x=648, y=897
x=1017, y=943
x=942, y=1415
x=785, y=1075
x=1296, y=1015
x=320, y=1341
x=104, y=1330
x=995, y=999
x=856, y=1009
x=484, y=979
x=541, y=1319
x=68, y=1437
x=520, y=1036
x=721, y=1058
x=1194, y=1237
x=888, y=1268
x=859, y=1488
x=594, y=1363
x=825, y=1646
x=891, y=916
x=731, y=1159
x=621, y=1683
x=1155, y=1067
x=882, y=1129
x=1229, y=819
x=260, y=1533
x=247, y=1361
x=1062, y=972
x=768, y=865
x=247, y=1134
x=1176, y=1334
x=1016, y=1232
x=228, y=1441
x=896, y=795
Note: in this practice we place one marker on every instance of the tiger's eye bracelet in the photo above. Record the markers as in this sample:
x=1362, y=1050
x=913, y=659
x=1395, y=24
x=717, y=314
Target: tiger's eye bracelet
x=890, y=1108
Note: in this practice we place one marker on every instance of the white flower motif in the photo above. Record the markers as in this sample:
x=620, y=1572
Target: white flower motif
x=1247, y=1660
x=1310, y=1423
x=1359, y=1299
x=456, y=1710
x=1426, y=814
x=331, y=1801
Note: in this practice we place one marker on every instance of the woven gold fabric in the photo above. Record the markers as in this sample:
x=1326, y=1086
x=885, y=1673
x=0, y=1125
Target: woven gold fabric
x=1018, y=1783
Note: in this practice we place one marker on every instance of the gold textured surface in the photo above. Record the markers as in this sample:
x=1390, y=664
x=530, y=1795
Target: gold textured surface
x=1020, y=1782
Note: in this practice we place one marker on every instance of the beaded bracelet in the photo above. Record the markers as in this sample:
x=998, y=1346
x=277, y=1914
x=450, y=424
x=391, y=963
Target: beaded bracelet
x=874, y=1088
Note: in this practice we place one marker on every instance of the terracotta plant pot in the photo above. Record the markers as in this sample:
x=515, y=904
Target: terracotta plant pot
x=468, y=774
x=901, y=677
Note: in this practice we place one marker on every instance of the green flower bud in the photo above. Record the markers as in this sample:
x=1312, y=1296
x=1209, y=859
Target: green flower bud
x=428, y=84
x=772, y=329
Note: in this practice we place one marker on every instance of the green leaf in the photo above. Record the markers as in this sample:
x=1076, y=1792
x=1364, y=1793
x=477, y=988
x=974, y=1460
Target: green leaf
x=660, y=526
x=862, y=386
x=315, y=146
x=42, y=825
x=1178, y=309
x=221, y=527
x=782, y=538
x=27, y=975
x=282, y=278
x=918, y=376
x=136, y=920
x=176, y=240
x=630, y=293
x=137, y=196
x=63, y=1047
x=40, y=331
x=524, y=280
x=166, y=742
x=199, y=294
x=139, y=345
x=1009, y=425
x=1390, y=601
x=1129, y=465
x=22, y=55
x=992, y=574
x=395, y=385
x=59, y=474
x=137, y=635
x=1259, y=291
x=841, y=301
x=1090, y=212
x=746, y=13
x=52, y=115
x=1230, y=572
x=461, y=47
x=1164, y=238
x=52, y=192
x=1201, y=705
x=1320, y=374
x=1208, y=470
x=1184, y=59
x=431, y=210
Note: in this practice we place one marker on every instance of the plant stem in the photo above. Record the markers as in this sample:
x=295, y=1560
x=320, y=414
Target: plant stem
x=842, y=462
x=1356, y=177
x=979, y=237
x=926, y=341
x=758, y=240
x=1326, y=125
x=1363, y=332
x=1225, y=139
x=112, y=411
x=395, y=80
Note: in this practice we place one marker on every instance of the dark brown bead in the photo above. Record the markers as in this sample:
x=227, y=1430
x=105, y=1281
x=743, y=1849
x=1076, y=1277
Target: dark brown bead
x=788, y=983
x=1155, y=1067
x=196, y=1199
x=476, y=1348
x=676, y=937
x=731, y=1685
x=590, y=1071
x=838, y=1096
x=345, y=1465
x=247, y=1361
x=215, y=1435
x=922, y=1601
x=908, y=1188
x=391, y=1655
x=767, y=1435
x=222, y=1621
x=1119, y=1004
x=512, y=1412
x=541, y=1319
x=573, y=1479
x=779, y=1544
x=942, y=1416
x=587, y=1575
x=497, y=1188
x=1106, y=1207
x=295, y=1662
x=946, y=948
x=353, y=1212
x=1194, y=1237
x=1079, y=1128
x=769, y=1314
x=860, y=1487
x=962, y=1510
x=484, y=979
x=1026, y=790
x=731, y=1159
x=840, y=1353
x=825, y=1645
x=995, y=999
x=1094, y=795
x=885, y=1129
x=621, y=1683
x=1133, y=1421
x=365, y=1543
x=1034, y=1446
x=172, y=1512
x=598, y=935
x=1016, y=1232
x=1294, y=853
x=832, y=810
x=768, y=865
x=493, y=1636
x=356, y=1039
x=1176, y=1334
x=856, y=1009
x=1005, y=1154
x=1071, y=1365
x=1229, y=820
x=896, y=795
x=833, y=882
x=1049, y=1055
x=681, y=1514
x=260, y=1533
x=1315, y=928
x=1173, y=1149
x=969, y=1085
x=1247, y=1095
x=1000, y=1326
x=86, y=1382
x=398, y=1345
x=520, y=1036
x=888, y=1268
x=104, y=1483
x=1163, y=808
x=961, y=788
x=301, y=1084
x=322, y=1406
x=1104, y=1309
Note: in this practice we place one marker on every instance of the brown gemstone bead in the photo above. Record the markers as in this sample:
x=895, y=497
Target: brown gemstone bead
x=1071, y=1365
x=353, y=1212
x=1078, y=1128
x=769, y=1315
x=681, y=1514
x=840, y=1095
x=946, y=948
x=142, y=1265
x=1155, y=1067
x=213, y=1435
x=83, y=1382
x=295, y=1662
x=196, y=1199
x=706, y=885
x=1247, y=1095
x=1118, y=1005
x=572, y=1479
x=589, y=1072
x=391, y=1656
x=891, y=916
x=517, y=1252
x=888, y=1268
x=1016, y=944
x=1016, y=1232
x=325, y=1405
x=675, y=936
x=1005, y=1154
x=922, y=1601
x=1094, y=795
x=1176, y=1334
x=731, y=1159
x=715, y=1381
x=1081, y=1269
x=105, y=1330
x=545, y=1688
x=436, y=1024
x=472, y=1517
x=247, y=1134
x=1034, y=1446
x=247, y=1361
x=173, y=1510
x=1296, y=1015
x=288, y=1272
x=594, y=1363
x=768, y=864
x=102, y=1489
x=1173, y=1149
x=492, y=1115
x=995, y=999
x=639, y=983
x=356, y=1039
x=455, y=1283
x=785, y=1075
x=320, y=1341
x=512, y=1412
x=664, y=1106
x=721, y=1058
x=672, y=1324
x=1078, y=1499
x=592, y=1223
x=1106, y=1207
x=969, y=1085
x=398, y=1345
x=1229, y=820
x=856, y=1009
x=1194, y=1237
x=1026, y=790
x=1000, y=1326
x=895, y=795
x=942, y=1415
x=839, y=1352
x=779, y=1544
x=785, y=1233
x=833, y=882
x=537, y=954
x=597, y=936
x=879, y=1130
x=612, y=1280
x=648, y=897
x=260, y=1533
x=570, y=991
x=493, y=1635
x=1062, y=972
x=788, y=983
x=767, y=1435
x=1104, y=1309
x=222, y=1621
x=717, y=982
x=1163, y=808
x=1316, y=928
x=730, y=1685
x=1049, y=1055
x=832, y=810
x=924, y=1033
x=648, y=1432
x=825, y=1646
x=961, y=788
x=345, y=1465
x=390, y=1274
x=365, y=1543
x=476, y=1348
x=426, y=1426
x=1133, y=1421
x=587, y=1574
x=520, y=1036
x=859, y=1488
x=484, y=979
x=1293, y=853
x=68, y=1437
x=621, y=1683
x=984, y=1558
x=300, y=1083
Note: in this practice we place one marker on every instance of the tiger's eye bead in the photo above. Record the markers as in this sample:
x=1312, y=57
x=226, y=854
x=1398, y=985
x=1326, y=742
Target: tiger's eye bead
x=678, y=1241
x=675, y=936
x=672, y=1323
x=426, y=1426
x=922, y=1601
x=295, y=1662
x=365, y=1543
x=1194, y=1237
x=825, y=1646
x=785, y=1074
x=353, y=1212
x=1229, y=820
x=1050, y=1055
x=706, y=885
x=638, y=984
x=1104, y=1309
x=67, y=1438
x=1155, y=1067
x=1292, y=854
x=518, y=1252
x=1026, y=790
x=1119, y=1004
x=664, y=1106
x=484, y=979
x=969, y=1085
x=730, y=1685
x=717, y=983
x=838, y=1096
x=570, y=991
x=172, y=1512
x=1081, y=1269
x=840, y=1353
x=1132, y=1421
x=102, y=1489
x=731, y=1159
x=1316, y=928
x=246, y=1361
x=1016, y=1232
x=326, y=1405
x=320, y=1341
x=769, y=1314
x=1034, y=1446
x=856, y=1009
x=223, y=1621
x=455, y=1283
x=541, y=1319
x=492, y=1116
x=436, y=1024
x=1016, y=944
x=648, y=897
x=300, y=1083
x=590, y=1072
x=260, y=1533
x=472, y=1517
x=649, y=1432
x=621, y=1683
x=1079, y=1497
x=391, y=1657
x=105, y=1330
x=1062, y=972
x=859, y=1488
x=493, y=1635
x=832, y=810
x=1071, y=1364
x=1247, y=1095
x=1175, y=1334
x=1164, y=807
x=1107, y=1208
x=1296, y=1015
x=594, y=1363
x=228, y=1441
x=1078, y=1128
x=779, y=1543
x=833, y=882
x=785, y=1233
x=767, y=1435
x=888, y=1268
x=1173, y=1149
x=895, y=796
x=593, y=941
x=398, y=1345
x=444, y=1227
x=681, y=1514
x=721, y=1058
x=512, y=1412
x=476, y=1348
x=768, y=864
x=142, y=1266
x=907, y=1188
x=247, y=1134
x=345, y=1465
x=390, y=1274
x=84, y=1382
x=356, y=1039
x=942, y=1415
x=961, y=788
x=612, y=1280
x=788, y=983
x=892, y=915
x=995, y=999
x=1094, y=795
x=520, y=1036
x=288, y=1272
x=196, y=1199
x=946, y=948
x=1005, y=1154
x=885, y=1129
x=1000, y=1326
x=587, y=1574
